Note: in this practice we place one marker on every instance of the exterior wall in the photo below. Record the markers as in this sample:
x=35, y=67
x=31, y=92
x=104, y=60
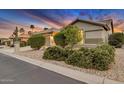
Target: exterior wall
x=49, y=40
x=94, y=37
x=92, y=34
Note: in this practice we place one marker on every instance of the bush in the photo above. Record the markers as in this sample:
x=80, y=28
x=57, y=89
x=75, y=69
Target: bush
x=36, y=41
x=101, y=59
x=103, y=56
x=59, y=39
x=110, y=49
x=86, y=51
x=116, y=39
x=79, y=59
x=54, y=53
x=73, y=35
x=68, y=52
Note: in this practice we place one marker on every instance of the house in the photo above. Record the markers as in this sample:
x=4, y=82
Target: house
x=94, y=32
x=48, y=33
x=4, y=41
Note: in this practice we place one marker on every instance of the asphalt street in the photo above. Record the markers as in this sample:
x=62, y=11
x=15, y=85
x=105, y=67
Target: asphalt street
x=15, y=71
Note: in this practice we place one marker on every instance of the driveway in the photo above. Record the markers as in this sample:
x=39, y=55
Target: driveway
x=14, y=71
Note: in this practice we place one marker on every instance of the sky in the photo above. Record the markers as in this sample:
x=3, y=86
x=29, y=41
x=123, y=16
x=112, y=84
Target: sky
x=55, y=18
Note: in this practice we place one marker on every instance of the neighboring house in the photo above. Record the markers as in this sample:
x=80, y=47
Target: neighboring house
x=22, y=36
x=94, y=32
x=48, y=33
x=4, y=41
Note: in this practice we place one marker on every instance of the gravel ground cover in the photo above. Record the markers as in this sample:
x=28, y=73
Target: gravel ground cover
x=115, y=73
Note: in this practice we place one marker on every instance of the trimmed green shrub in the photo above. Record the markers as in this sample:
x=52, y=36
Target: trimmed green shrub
x=68, y=52
x=103, y=56
x=110, y=49
x=86, y=51
x=54, y=53
x=79, y=59
x=59, y=39
x=36, y=41
x=116, y=39
x=101, y=59
x=98, y=58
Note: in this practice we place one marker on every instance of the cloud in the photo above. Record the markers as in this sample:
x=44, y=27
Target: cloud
x=44, y=19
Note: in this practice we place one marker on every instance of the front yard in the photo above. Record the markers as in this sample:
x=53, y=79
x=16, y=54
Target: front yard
x=116, y=72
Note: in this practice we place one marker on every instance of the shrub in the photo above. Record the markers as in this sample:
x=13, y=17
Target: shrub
x=101, y=59
x=54, y=53
x=68, y=52
x=103, y=56
x=79, y=59
x=36, y=41
x=86, y=51
x=116, y=39
x=72, y=34
x=59, y=39
x=110, y=49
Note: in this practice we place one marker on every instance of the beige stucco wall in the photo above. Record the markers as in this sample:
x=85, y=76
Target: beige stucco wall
x=94, y=34
x=93, y=37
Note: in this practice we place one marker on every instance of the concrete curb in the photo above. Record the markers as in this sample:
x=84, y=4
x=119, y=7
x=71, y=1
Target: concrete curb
x=81, y=76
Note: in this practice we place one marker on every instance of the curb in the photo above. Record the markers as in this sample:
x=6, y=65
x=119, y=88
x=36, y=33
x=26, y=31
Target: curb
x=81, y=76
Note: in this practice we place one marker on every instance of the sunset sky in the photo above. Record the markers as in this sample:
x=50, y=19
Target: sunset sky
x=9, y=19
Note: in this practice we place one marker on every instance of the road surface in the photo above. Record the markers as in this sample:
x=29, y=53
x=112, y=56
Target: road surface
x=15, y=71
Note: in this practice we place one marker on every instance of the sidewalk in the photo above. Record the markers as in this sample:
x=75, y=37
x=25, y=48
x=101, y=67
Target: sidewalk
x=11, y=49
x=81, y=76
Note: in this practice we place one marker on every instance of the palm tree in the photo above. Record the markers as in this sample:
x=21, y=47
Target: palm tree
x=21, y=30
x=45, y=28
x=32, y=27
x=29, y=33
x=15, y=34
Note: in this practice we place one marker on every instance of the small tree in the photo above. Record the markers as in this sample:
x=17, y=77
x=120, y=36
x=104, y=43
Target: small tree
x=15, y=35
x=36, y=41
x=72, y=35
x=21, y=30
x=59, y=39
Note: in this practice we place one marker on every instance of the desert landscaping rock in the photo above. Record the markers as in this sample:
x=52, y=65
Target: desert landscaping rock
x=116, y=71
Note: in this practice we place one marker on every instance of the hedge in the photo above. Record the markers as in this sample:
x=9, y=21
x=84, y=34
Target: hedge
x=36, y=41
x=54, y=53
x=79, y=59
x=99, y=58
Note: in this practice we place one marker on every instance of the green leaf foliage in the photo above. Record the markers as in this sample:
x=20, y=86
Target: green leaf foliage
x=116, y=39
x=72, y=35
x=59, y=39
x=54, y=53
x=36, y=41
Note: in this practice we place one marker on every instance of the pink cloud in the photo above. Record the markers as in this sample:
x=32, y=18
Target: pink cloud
x=45, y=20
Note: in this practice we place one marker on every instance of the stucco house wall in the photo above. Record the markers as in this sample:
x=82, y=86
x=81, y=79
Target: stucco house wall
x=93, y=34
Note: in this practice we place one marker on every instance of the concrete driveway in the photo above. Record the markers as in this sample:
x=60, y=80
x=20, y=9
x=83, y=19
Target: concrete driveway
x=14, y=71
